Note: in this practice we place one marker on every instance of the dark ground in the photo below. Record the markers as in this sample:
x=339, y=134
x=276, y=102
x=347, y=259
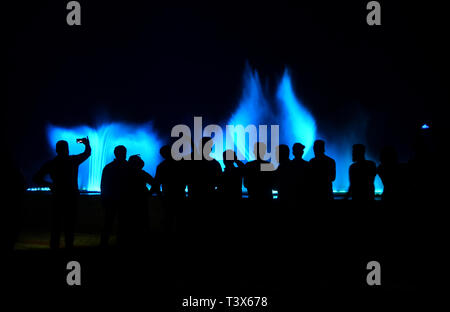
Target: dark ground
x=290, y=257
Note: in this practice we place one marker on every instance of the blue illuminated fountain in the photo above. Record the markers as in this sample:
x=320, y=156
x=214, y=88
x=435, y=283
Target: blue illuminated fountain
x=138, y=139
x=296, y=124
x=255, y=108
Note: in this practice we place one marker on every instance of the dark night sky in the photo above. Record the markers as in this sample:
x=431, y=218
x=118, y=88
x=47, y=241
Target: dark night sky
x=135, y=62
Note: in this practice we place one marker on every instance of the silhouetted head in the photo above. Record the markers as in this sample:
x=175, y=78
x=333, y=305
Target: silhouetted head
x=62, y=148
x=283, y=153
x=358, y=152
x=120, y=152
x=207, y=144
x=319, y=147
x=298, y=150
x=259, y=150
x=388, y=155
x=229, y=156
x=165, y=152
x=135, y=161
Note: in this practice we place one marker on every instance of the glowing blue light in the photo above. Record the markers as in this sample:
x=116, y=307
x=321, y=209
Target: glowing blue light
x=296, y=122
x=425, y=126
x=296, y=125
x=252, y=110
x=138, y=139
x=38, y=189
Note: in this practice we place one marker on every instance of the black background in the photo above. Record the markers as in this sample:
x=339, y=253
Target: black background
x=135, y=61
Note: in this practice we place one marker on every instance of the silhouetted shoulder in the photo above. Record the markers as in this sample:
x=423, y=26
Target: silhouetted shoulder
x=147, y=177
x=216, y=165
x=330, y=160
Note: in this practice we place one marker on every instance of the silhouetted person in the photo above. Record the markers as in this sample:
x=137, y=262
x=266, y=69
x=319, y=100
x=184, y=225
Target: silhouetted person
x=170, y=177
x=362, y=175
x=63, y=171
x=205, y=173
x=203, y=179
x=133, y=217
x=284, y=174
x=233, y=173
x=323, y=173
x=301, y=171
x=259, y=183
x=114, y=190
x=392, y=174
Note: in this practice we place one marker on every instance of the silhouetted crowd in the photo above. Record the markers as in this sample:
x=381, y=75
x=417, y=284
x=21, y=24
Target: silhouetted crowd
x=202, y=185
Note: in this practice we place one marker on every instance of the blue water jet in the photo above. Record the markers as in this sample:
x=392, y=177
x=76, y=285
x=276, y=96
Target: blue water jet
x=296, y=125
x=138, y=139
x=253, y=109
x=296, y=122
x=340, y=149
